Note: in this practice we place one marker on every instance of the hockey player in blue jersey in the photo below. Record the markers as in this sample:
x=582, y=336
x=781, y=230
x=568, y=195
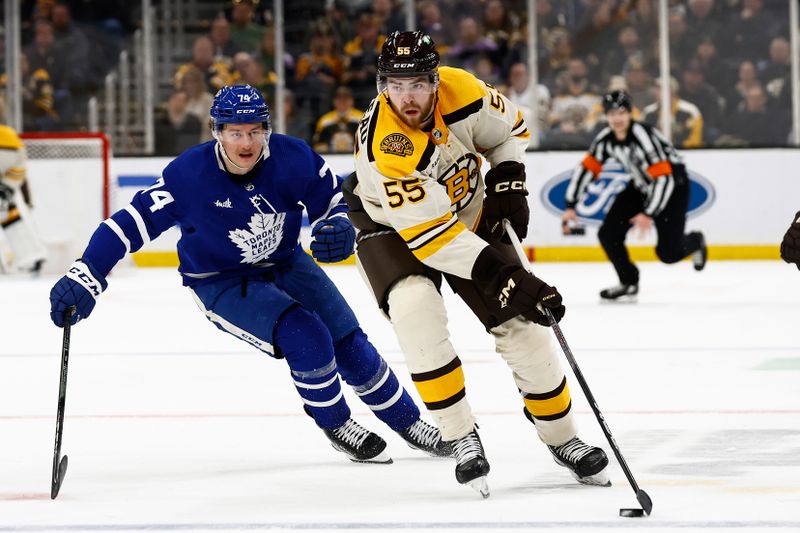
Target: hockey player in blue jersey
x=238, y=201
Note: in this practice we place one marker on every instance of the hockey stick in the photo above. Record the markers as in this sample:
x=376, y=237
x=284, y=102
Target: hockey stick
x=60, y=463
x=641, y=495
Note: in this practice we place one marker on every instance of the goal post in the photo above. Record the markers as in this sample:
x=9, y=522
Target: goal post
x=69, y=176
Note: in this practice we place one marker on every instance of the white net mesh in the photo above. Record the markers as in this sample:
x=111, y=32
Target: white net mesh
x=71, y=192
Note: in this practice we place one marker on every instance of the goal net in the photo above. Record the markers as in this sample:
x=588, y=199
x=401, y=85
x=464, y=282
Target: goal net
x=71, y=190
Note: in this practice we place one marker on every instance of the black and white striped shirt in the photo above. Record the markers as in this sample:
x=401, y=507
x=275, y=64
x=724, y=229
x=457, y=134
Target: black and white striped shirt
x=645, y=154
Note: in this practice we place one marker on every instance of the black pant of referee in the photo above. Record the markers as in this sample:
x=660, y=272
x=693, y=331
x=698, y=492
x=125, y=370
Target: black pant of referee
x=673, y=245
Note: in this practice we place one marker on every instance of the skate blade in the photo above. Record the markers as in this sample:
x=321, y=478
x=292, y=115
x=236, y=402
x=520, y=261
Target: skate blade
x=480, y=485
x=599, y=479
x=382, y=459
x=625, y=299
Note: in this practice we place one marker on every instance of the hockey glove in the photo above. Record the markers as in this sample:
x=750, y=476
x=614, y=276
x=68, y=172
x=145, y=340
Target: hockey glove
x=505, y=198
x=790, y=247
x=80, y=287
x=333, y=239
x=529, y=295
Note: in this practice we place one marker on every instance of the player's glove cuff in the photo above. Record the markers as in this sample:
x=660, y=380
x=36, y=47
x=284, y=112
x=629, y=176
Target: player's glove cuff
x=83, y=273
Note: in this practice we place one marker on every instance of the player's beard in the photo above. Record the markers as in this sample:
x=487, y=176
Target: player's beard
x=421, y=118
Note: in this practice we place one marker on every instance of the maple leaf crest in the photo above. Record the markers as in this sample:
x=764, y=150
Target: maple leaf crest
x=261, y=239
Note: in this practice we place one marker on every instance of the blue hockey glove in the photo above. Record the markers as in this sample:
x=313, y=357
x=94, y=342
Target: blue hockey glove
x=333, y=239
x=80, y=287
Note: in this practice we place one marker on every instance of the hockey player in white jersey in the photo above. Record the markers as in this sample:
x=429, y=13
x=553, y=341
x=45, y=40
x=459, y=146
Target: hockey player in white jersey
x=21, y=248
x=424, y=212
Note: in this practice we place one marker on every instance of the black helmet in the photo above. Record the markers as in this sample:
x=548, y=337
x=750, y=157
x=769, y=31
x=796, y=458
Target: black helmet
x=408, y=54
x=616, y=100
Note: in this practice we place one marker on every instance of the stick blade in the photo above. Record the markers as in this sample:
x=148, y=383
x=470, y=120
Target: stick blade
x=644, y=501
x=58, y=478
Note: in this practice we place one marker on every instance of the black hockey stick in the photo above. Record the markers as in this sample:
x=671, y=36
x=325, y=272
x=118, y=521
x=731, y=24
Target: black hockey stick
x=60, y=463
x=641, y=495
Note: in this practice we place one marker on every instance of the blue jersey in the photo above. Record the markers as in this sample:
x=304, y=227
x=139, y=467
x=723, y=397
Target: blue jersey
x=230, y=225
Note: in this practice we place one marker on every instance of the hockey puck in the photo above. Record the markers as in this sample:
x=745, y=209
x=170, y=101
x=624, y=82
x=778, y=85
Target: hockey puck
x=631, y=513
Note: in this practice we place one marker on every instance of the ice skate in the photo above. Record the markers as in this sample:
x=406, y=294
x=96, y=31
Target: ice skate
x=427, y=438
x=472, y=466
x=586, y=463
x=699, y=257
x=359, y=444
x=620, y=293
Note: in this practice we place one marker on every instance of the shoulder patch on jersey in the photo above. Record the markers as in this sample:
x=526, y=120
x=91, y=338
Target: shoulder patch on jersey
x=460, y=94
x=397, y=144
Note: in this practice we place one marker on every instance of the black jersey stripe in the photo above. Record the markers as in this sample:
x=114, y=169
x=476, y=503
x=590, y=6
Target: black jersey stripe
x=464, y=112
x=373, y=123
x=425, y=159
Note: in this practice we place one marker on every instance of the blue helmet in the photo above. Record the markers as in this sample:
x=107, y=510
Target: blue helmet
x=239, y=104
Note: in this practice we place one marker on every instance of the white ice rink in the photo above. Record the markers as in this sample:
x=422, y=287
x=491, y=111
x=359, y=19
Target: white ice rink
x=172, y=425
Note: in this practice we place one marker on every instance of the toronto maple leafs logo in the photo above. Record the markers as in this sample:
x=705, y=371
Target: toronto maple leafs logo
x=262, y=235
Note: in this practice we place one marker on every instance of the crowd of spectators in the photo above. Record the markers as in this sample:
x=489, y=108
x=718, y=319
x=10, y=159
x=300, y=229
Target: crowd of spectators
x=730, y=79
x=68, y=47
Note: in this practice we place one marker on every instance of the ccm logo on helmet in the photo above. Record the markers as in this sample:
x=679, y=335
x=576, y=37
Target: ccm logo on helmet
x=403, y=65
x=245, y=111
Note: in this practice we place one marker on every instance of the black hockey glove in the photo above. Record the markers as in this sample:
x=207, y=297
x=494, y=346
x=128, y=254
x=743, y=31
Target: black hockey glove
x=790, y=247
x=6, y=199
x=529, y=295
x=505, y=198
x=515, y=287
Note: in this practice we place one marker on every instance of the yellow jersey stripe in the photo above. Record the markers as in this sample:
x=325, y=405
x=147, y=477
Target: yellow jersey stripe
x=437, y=243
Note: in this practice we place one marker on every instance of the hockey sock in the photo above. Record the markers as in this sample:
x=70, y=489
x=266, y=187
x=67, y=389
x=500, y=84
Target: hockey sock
x=374, y=382
x=307, y=346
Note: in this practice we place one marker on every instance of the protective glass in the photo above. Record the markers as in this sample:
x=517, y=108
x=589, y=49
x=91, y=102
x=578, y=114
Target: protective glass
x=241, y=137
x=398, y=87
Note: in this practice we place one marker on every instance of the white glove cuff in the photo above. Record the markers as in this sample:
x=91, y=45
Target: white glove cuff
x=80, y=273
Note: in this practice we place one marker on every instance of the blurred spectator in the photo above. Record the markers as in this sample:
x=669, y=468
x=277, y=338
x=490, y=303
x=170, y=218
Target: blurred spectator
x=335, y=131
x=70, y=38
x=702, y=20
x=756, y=124
x=176, y=129
x=360, y=57
x=390, y=18
x=501, y=26
x=573, y=90
x=639, y=81
x=559, y=53
x=199, y=99
x=687, y=121
x=628, y=45
x=487, y=71
x=297, y=119
x=338, y=19
x=42, y=53
x=318, y=72
x=216, y=75
x=716, y=72
x=776, y=73
x=244, y=31
x=695, y=89
x=252, y=73
x=748, y=34
x=471, y=44
x=38, y=111
x=266, y=55
x=748, y=78
x=681, y=43
x=220, y=35
x=571, y=132
x=432, y=23
x=521, y=93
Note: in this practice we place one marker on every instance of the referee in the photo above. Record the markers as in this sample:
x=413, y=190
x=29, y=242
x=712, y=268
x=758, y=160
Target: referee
x=658, y=192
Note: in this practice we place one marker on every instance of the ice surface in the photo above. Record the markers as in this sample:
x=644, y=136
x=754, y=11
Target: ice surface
x=173, y=425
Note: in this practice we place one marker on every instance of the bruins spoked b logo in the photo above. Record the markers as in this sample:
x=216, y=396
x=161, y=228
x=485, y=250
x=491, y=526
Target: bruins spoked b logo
x=397, y=144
